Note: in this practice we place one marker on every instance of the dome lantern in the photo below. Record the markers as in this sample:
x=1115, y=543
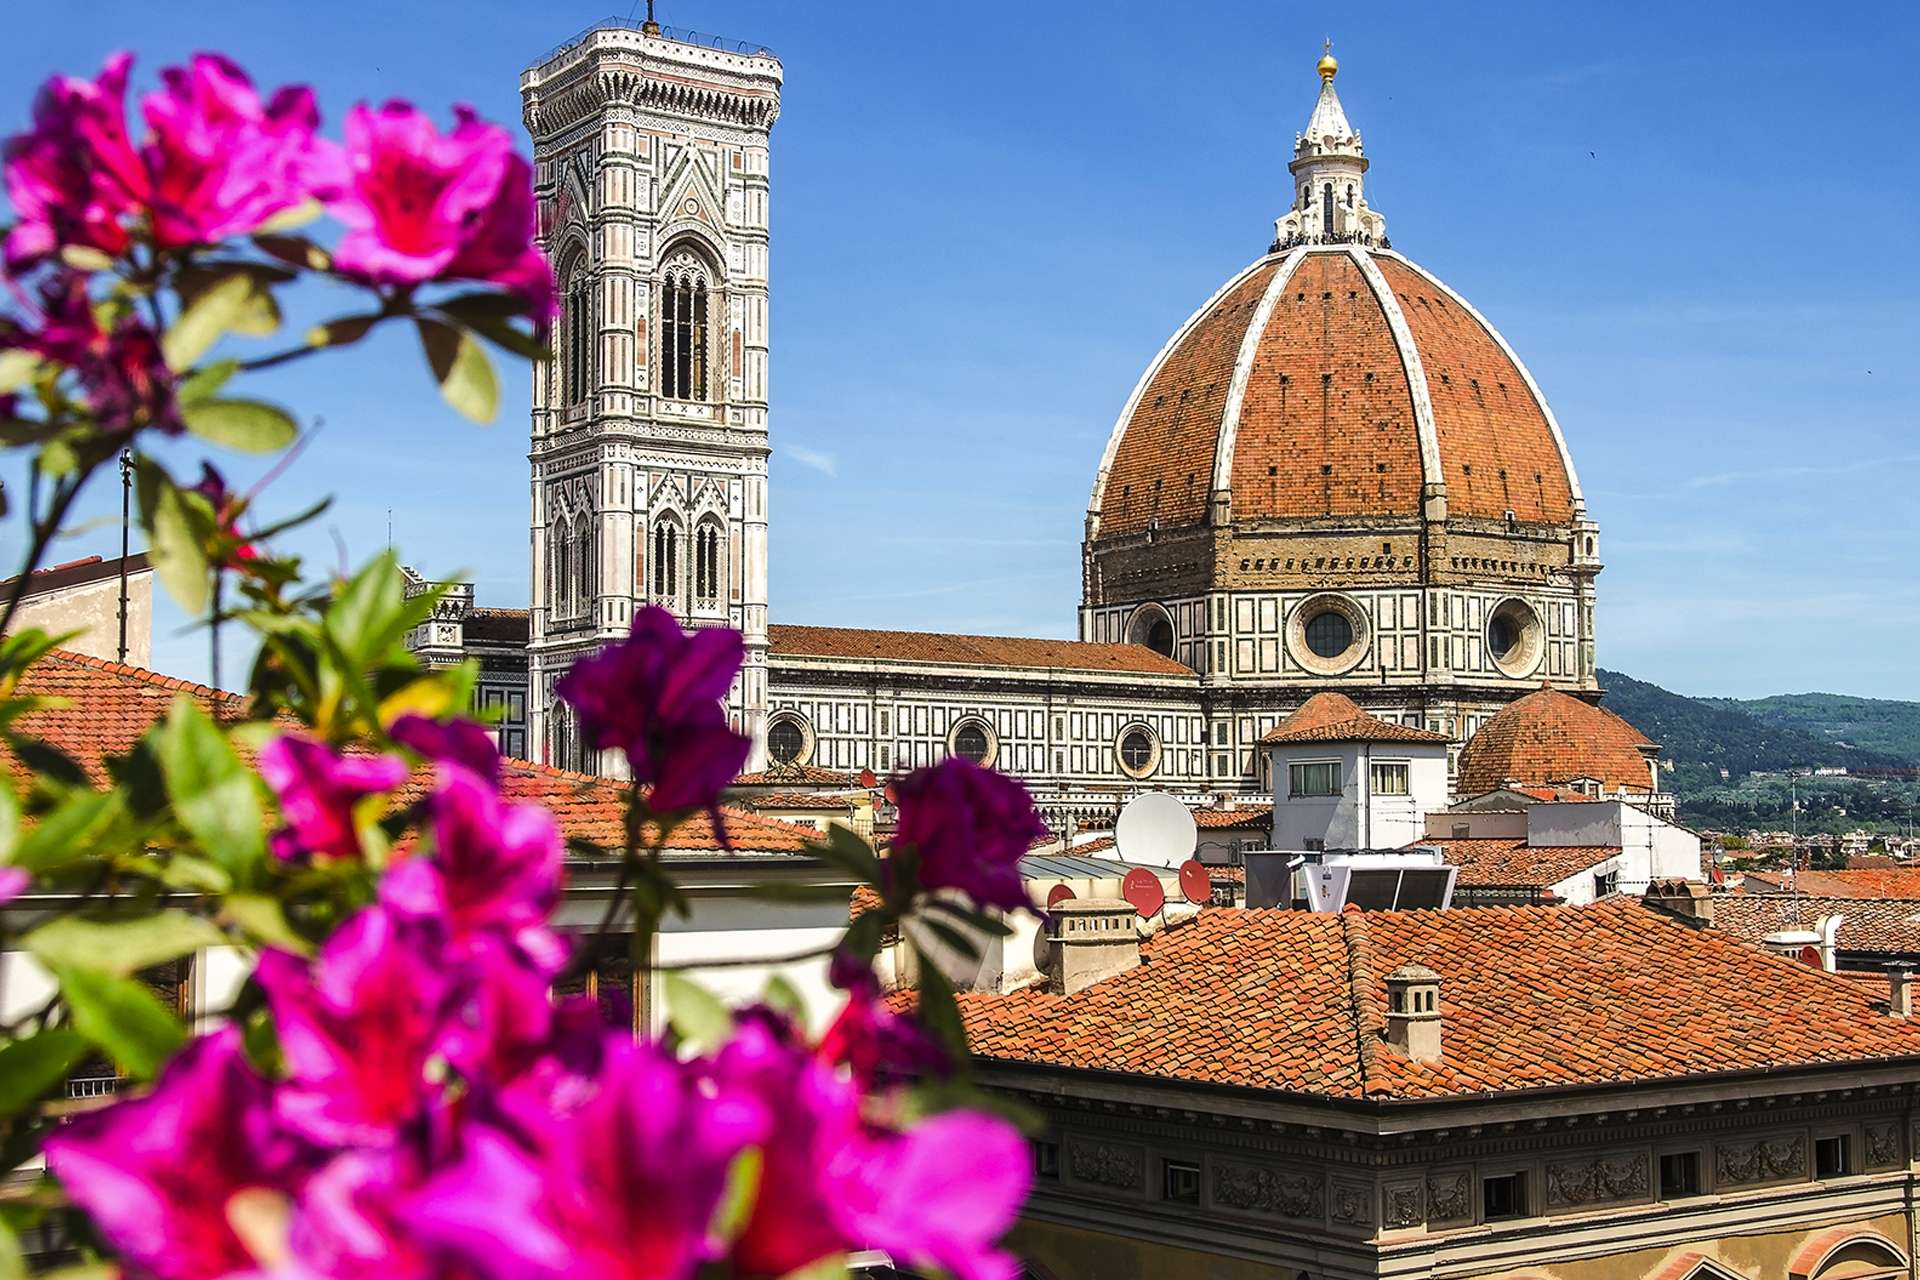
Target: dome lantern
x=1329, y=168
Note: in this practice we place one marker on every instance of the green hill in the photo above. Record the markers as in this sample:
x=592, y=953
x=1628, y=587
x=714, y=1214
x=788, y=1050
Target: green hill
x=1870, y=724
x=1721, y=734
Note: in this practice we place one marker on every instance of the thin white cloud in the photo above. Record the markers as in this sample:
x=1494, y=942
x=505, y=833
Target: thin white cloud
x=825, y=463
x=1717, y=479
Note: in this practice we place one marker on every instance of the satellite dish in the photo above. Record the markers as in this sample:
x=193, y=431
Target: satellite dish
x=1142, y=888
x=1811, y=955
x=1059, y=894
x=867, y=779
x=1195, y=882
x=1155, y=830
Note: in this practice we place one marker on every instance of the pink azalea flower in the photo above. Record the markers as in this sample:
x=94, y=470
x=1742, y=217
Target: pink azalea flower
x=878, y=1045
x=155, y=1173
x=74, y=176
x=969, y=828
x=318, y=790
x=460, y=742
x=656, y=696
x=346, y=1224
x=420, y=205
x=219, y=164
x=495, y=868
x=13, y=883
x=623, y=1188
x=123, y=377
x=358, y=1028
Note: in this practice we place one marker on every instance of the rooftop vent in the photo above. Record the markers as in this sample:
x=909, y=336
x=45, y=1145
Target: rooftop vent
x=1089, y=939
x=1686, y=900
x=1900, y=989
x=1413, y=1012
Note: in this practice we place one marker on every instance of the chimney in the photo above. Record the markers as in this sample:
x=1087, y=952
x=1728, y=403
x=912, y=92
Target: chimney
x=1089, y=939
x=1413, y=1012
x=1687, y=900
x=1900, y=989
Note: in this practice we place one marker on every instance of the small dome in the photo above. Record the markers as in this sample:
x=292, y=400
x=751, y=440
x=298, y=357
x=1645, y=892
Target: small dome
x=1549, y=738
x=1334, y=380
x=1329, y=66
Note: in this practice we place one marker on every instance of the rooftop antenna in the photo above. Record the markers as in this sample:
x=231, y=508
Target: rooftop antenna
x=126, y=526
x=650, y=27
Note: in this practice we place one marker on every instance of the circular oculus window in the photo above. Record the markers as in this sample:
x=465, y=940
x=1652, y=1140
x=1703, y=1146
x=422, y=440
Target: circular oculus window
x=787, y=740
x=1139, y=751
x=1328, y=634
x=972, y=740
x=1515, y=638
x=1152, y=627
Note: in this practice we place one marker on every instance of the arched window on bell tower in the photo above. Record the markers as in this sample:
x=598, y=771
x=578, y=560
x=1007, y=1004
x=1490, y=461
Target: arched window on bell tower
x=574, y=334
x=706, y=563
x=666, y=563
x=684, y=302
x=1326, y=209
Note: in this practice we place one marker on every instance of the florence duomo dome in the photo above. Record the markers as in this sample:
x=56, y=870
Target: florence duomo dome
x=1338, y=474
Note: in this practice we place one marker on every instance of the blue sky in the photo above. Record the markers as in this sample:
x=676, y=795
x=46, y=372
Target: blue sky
x=1695, y=223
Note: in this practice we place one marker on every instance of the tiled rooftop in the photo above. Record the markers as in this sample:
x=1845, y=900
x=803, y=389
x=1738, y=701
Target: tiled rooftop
x=1550, y=737
x=1251, y=816
x=1870, y=882
x=977, y=651
x=1890, y=925
x=795, y=775
x=1334, y=717
x=108, y=706
x=1532, y=998
x=1509, y=863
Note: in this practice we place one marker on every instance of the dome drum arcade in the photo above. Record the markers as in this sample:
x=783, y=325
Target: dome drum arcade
x=1338, y=474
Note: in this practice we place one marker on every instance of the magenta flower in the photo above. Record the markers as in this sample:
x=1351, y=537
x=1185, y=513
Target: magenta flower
x=74, y=176
x=318, y=790
x=495, y=868
x=460, y=742
x=155, y=1173
x=219, y=164
x=420, y=205
x=878, y=1045
x=13, y=883
x=623, y=1188
x=123, y=377
x=969, y=828
x=347, y=1225
x=656, y=696
x=939, y=1195
x=358, y=1028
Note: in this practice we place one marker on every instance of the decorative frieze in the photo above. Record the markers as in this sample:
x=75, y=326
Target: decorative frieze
x=1883, y=1145
x=1257, y=1189
x=1404, y=1208
x=1352, y=1204
x=1109, y=1164
x=1601, y=1180
x=1762, y=1160
x=1449, y=1196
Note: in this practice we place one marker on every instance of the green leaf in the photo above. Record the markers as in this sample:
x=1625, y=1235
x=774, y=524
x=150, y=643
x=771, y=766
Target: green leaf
x=462, y=368
x=744, y=1182
x=845, y=848
x=251, y=426
x=288, y=219
x=175, y=545
x=48, y=762
x=297, y=251
x=782, y=996
x=9, y=818
x=122, y=1018
x=695, y=1013
x=82, y=258
x=13, y=1261
x=233, y=300
x=205, y=382
x=62, y=835
x=121, y=947
x=962, y=945
x=939, y=1013
x=31, y=1067
x=212, y=792
x=341, y=332
x=27, y=646
x=17, y=369
x=263, y=919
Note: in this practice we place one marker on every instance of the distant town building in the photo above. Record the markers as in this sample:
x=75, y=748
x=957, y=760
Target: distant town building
x=84, y=596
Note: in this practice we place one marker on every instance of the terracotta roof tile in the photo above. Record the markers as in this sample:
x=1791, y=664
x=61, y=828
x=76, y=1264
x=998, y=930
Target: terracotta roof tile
x=795, y=775
x=1259, y=816
x=1532, y=997
x=823, y=800
x=976, y=651
x=1334, y=717
x=1550, y=737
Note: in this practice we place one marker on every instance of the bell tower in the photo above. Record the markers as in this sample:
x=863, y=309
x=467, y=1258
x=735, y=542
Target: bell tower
x=649, y=424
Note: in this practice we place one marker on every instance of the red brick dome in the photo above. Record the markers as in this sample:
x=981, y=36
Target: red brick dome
x=1328, y=381
x=1549, y=738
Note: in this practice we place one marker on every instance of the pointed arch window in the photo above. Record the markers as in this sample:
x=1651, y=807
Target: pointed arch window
x=706, y=563
x=1326, y=208
x=683, y=328
x=666, y=561
x=562, y=576
x=576, y=333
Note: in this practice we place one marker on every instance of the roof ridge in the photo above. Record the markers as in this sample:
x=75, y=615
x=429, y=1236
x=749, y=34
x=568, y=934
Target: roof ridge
x=1360, y=978
x=143, y=675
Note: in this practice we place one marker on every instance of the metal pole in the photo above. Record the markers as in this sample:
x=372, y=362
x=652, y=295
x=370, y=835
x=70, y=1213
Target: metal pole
x=126, y=529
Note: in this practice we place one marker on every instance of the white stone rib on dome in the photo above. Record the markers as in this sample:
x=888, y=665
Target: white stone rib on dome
x=1243, y=369
x=1526, y=374
x=1098, y=497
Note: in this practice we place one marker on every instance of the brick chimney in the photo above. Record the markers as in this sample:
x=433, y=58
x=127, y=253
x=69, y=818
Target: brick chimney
x=1413, y=1012
x=1089, y=939
x=1900, y=989
x=1687, y=900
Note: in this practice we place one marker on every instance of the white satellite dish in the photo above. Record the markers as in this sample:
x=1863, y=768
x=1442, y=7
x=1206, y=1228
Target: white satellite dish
x=1155, y=830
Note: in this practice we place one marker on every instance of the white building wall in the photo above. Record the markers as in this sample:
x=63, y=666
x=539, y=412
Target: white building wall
x=1357, y=818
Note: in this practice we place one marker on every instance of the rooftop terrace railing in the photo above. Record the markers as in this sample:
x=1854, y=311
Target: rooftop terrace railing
x=680, y=35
